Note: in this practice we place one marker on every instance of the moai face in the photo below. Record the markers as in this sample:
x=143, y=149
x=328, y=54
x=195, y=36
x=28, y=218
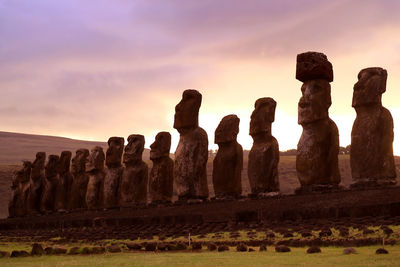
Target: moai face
x=51, y=166
x=79, y=161
x=187, y=111
x=315, y=102
x=227, y=129
x=370, y=87
x=95, y=160
x=64, y=162
x=24, y=173
x=262, y=116
x=134, y=149
x=161, y=146
x=40, y=160
x=114, y=151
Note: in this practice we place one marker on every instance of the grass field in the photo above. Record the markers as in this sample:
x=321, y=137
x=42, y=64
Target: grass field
x=330, y=256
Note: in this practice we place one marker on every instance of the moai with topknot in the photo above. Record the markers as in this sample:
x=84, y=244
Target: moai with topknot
x=192, y=152
x=50, y=185
x=318, y=147
x=228, y=162
x=371, y=150
x=134, y=182
x=162, y=172
x=36, y=183
x=64, y=181
x=20, y=186
x=113, y=172
x=77, y=198
x=95, y=171
x=264, y=154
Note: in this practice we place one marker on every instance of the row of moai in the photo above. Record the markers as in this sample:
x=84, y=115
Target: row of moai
x=39, y=188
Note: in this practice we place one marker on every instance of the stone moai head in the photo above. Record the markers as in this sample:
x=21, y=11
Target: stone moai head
x=114, y=151
x=24, y=173
x=187, y=111
x=39, y=161
x=95, y=161
x=52, y=165
x=263, y=116
x=315, y=71
x=134, y=149
x=370, y=86
x=161, y=146
x=79, y=161
x=227, y=129
x=64, y=162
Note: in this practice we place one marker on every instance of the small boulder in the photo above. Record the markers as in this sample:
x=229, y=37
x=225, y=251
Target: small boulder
x=49, y=250
x=211, y=247
x=349, y=251
x=196, y=246
x=152, y=246
x=98, y=250
x=60, y=250
x=4, y=254
x=161, y=247
x=37, y=249
x=73, y=251
x=263, y=248
x=313, y=249
x=19, y=253
x=113, y=249
x=251, y=250
x=222, y=248
x=134, y=246
x=381, y=251
x=282, y=248
x=241, y=247
x=86, y=251
x=180, y=246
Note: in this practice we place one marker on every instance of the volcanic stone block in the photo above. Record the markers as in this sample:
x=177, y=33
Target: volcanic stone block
x=162, y=172
x=134, y=182
x=50, y=185
x=36, y=183
x=371, y=151
x=113, y=172
x=80, y=180
x=313, y=65
x=318, y=147
x=20, y=185
x=64, y=181
x=228, y=163
x=192, y=152
x=264, y=154
x=95, y=171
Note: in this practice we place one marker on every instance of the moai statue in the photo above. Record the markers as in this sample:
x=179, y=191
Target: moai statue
x=264, y=154
x=36, y=183
x=162, y=173
x=77, y=197
x=371, y=150
x=228, y=163
x=64, y=181
x=192, y=152
x=50, y=185
x=95, y=171
x=20, y=186
x=134, y=182
x=113, y=172
x=318, y=147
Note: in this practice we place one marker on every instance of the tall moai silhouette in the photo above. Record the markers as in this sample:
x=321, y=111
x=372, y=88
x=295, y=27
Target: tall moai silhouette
x=192, y=152
x=371, y=150
x=64, y=181
x=80, y=179
x=228, y=162
x=264, y=154
x=318, y=147
x=94, y=168
x=36, y=183
x=17, y=206
x=48, y=199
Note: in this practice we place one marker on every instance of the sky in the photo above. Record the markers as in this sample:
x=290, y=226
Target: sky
x=91, y=69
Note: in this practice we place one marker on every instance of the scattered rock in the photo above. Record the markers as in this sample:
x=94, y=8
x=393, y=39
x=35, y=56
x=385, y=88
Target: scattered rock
x=73, y=251
x=151, y=246
x=211, y=246
x=113, y=249
x=263, y=248
x=196, y=246
x=313, y=249
x=98, y=250
x=381, y=251
x=48, y=250
x=19, y=253
x=222, y=248
x=241, y=247
x=134, y=246
x=37, y=249
x=161, y=247
x=86, y=251
x=4, y=254
x=282, y=248
x=60, y=250
x=349, y=251
x=251, y=250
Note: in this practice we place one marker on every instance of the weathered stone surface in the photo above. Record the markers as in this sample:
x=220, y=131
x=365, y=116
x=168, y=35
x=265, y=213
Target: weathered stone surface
x=134, y=182
x=20, y=186
x=95, y=171
x=36, y=183
x=37, y=249
x=113, y=172
x=192, y=152
x=264, y=155
x=50, y=185
x=64, y=181
x=162, y=172
x=313, y=65
x=318, y=147
x=228, y=163
x=80, y=180
x=371, y=151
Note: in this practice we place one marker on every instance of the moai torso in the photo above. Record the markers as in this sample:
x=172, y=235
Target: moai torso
x=64, y=181
x=228, y=162
x=161, y=174
x=318, y=147
x=20, y=185
x=95, y=171
x=192, y=152
x=50, y=185
x=371, y=150
x=36, y=183
x=264, y=154
x=134, y=182
x=77, y=198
